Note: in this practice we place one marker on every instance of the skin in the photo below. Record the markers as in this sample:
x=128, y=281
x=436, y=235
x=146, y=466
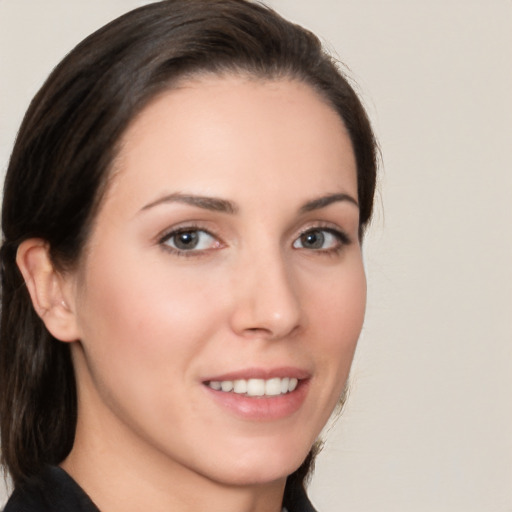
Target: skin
x=153, y=323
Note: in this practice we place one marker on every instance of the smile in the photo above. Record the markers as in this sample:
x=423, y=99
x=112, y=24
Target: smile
x=256, y=387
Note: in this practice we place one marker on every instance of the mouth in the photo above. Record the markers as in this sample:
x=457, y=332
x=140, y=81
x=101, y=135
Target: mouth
x=256, y=387
x=260, y=394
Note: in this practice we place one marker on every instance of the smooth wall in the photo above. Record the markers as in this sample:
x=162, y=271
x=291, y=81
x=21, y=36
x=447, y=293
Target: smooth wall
x=428, y=426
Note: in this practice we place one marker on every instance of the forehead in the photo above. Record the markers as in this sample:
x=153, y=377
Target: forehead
x=212, y=133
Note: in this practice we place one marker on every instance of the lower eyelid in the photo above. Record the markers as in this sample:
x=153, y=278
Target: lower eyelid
x=340, y=239
x=167, y=243
x=340, y=236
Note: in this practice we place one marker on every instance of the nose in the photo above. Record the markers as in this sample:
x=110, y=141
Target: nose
x=267, y=302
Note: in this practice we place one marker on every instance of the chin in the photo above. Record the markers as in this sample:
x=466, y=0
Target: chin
x=265, y=468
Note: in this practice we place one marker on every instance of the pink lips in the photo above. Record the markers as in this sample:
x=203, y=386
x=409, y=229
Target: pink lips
x=262, y=373
x=261, y=408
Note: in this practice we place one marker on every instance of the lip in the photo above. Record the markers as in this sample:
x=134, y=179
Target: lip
x=262, y=373
x=261, y=408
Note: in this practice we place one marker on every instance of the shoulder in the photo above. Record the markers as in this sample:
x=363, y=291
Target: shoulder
x=51, y=491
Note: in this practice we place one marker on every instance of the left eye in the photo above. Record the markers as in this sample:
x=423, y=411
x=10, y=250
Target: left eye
x=190, y=240
x=318, y=239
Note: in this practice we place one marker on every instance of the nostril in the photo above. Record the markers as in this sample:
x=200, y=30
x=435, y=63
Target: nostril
x=267, y=305
x=269, y=333
x=258, y=331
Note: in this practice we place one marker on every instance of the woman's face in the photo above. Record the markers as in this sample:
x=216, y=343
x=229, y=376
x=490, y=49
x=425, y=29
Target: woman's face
x=222, y=291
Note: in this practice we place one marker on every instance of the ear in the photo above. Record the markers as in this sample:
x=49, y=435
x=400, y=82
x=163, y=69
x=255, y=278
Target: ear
x=50, y=290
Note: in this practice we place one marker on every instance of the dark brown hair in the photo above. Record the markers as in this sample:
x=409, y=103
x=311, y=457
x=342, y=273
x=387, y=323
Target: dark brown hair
x=61, y=160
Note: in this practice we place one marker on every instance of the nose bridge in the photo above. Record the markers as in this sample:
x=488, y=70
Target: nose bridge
x=267, y=300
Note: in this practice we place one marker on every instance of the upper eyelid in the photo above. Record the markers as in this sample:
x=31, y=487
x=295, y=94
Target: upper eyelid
x=342, y=236
x=163, y=241
x=327, y=226
x=332, y=227
x=169, y=232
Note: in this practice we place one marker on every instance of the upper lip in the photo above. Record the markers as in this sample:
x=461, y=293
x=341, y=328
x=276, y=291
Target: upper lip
x=261, y=373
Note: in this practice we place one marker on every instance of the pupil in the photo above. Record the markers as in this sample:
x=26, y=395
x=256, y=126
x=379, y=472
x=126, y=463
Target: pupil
x=186, y=240
x=313, y=239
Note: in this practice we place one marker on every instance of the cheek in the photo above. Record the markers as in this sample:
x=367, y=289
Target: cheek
x=142, y=319
x=337, y=315
x=144, y=329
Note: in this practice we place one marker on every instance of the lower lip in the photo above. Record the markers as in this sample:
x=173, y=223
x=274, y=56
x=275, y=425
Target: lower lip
x=262, y=408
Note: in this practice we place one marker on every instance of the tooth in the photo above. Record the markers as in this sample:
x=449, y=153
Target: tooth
x=240, y=386
x=226, y=385
x=273, y=387
x=255, y=387
x=293, y=384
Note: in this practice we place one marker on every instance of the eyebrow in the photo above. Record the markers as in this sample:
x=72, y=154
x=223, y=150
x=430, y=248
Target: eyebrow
x=207, y=203
x=223, y=205
x=322, y=202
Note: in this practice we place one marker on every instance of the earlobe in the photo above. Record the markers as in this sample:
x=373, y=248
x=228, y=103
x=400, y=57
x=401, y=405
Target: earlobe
x=48, y=289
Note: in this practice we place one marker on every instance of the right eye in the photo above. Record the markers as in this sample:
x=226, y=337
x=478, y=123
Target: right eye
x=189, y=240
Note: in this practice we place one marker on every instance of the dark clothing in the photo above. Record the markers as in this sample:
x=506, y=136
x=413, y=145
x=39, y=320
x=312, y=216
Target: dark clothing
x=55, y=491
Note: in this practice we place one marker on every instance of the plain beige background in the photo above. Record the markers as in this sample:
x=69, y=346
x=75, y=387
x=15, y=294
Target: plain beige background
x=428, y=426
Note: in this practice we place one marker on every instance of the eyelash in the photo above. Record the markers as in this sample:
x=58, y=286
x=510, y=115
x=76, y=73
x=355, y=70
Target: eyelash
x=162, y=241
x=341, y=237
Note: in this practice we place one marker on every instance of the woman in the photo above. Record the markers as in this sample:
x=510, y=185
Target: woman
x=182, y=280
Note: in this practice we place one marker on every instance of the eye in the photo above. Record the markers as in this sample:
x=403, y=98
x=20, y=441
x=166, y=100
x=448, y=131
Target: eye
x=189, y=240
x=320, y=239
